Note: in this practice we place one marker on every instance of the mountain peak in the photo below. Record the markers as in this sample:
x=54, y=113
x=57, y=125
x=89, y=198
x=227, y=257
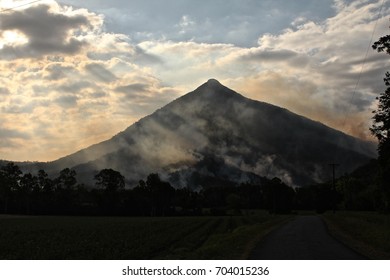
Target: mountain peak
x=213, y=91
x=214, y=88
x=213, y=82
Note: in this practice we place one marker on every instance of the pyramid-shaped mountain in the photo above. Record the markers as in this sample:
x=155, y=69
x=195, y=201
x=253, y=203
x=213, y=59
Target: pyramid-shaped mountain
x=215, y=133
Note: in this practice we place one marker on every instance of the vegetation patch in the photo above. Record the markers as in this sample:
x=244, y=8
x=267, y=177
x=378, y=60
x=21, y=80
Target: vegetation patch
x=366, y=232
x=59, y=237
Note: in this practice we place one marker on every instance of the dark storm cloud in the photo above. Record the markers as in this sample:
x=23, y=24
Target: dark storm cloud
x=134, y=53
x=74, y=87
x=362, y=101
x=366, y=77
x=18, y=109
x=13, y=134
x=67, y=101
x=57, y=72
x=99, y=94
x=47, y=32
x=10, y=138
x=138, y=98
x=4, y=91
x=134, y=92
x=100, y=72
x=133, y=88
x=271, y=55
x=143, y=57
x=354, y=101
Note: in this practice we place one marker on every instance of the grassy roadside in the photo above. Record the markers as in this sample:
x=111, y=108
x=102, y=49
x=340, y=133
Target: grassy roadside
x=239, y=243
x=366, y=232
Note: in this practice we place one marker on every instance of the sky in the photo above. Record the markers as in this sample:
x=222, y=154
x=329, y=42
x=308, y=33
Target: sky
x=75, y=73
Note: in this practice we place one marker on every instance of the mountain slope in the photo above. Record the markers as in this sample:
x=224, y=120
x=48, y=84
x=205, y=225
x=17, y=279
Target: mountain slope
x=215, y=123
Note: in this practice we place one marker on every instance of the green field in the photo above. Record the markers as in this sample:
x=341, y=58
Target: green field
x=50, y=237
x=366, y=232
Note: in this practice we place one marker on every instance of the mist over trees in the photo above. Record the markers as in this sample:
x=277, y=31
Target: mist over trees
x=38, y=194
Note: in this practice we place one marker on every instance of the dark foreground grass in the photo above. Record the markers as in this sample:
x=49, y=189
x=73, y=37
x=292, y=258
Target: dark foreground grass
x=132, y=238
x=366, y=232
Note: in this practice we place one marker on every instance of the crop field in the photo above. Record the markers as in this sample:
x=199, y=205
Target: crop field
x=57, y=237
x=366, y=232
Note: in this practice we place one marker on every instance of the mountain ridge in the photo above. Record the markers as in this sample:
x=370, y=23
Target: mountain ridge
x=215, y=121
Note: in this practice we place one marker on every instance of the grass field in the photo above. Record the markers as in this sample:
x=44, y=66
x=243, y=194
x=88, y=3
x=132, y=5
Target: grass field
x=133, y=238
x=366, y=232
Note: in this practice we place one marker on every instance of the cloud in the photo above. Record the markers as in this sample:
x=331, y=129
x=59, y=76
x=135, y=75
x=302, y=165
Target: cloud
x=100, y=72
x=137, y=87
x=186, y=24
x=46, y=31
x=146, y=96
x=57, y=71
x=11, y=139
x=84, y=80
x=4, y=91
x=67, y=101
x=61, y=89
x=11, y=133
x=220, y=21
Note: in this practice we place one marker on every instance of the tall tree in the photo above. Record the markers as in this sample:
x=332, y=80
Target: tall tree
x=28, y=184
x=5, y=190
x=10, y=176
x=381, y=127
x=110, y=180
x=44, y=182
x=161, y=194
x=67, y=179
x=65, y=191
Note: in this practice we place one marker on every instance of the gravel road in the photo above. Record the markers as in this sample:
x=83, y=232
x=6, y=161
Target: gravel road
x=304, y=238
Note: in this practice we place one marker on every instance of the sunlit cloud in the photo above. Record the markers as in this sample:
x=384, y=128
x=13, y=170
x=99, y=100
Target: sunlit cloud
x=67, y=82
x=59, y=85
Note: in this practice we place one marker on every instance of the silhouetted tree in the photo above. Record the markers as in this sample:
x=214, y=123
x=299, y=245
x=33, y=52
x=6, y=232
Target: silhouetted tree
x=28, y=184
x=141, y=204
x=110, y=180
x=9, y=182
x=381, y=127
x=44, y=199
x=189, y=201
x=234, y=203
x=251, y=195
x=305, y=198
x=214, y=197
x=278, y=197
x=161, y=194
x=67, y=179
x=65, y=191
x=5, y=190
x=325, y=197
x=44, y=182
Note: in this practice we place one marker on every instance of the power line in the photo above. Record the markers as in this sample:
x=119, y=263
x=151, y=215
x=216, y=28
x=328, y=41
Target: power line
x=363, y=65
x=22, y=5
x=334, y=165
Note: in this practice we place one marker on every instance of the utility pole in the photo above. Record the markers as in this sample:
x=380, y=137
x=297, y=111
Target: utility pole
x=334, y=165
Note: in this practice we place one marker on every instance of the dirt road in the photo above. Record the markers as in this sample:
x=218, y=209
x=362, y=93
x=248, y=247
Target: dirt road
x=304, y=238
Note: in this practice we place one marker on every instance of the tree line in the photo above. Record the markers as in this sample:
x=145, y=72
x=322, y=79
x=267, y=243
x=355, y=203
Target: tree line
x=38, y=194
